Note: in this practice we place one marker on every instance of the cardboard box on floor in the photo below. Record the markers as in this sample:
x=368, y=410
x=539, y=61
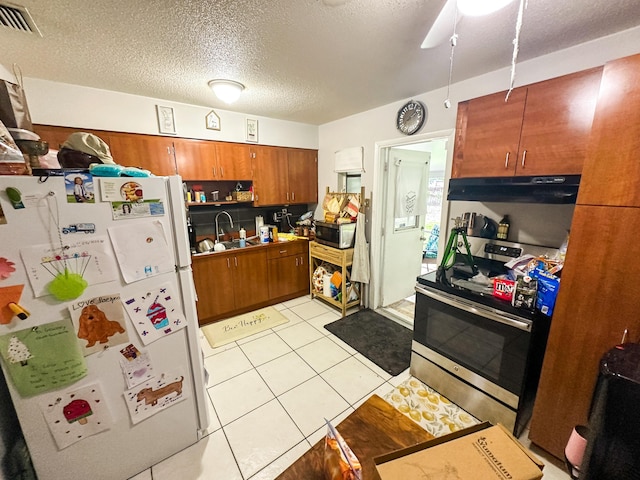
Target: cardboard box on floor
x=480, y=452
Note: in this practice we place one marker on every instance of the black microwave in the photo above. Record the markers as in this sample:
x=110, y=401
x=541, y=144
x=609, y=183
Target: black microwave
x=337, y=235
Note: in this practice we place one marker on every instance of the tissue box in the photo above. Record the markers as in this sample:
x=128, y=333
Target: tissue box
x=479, y=452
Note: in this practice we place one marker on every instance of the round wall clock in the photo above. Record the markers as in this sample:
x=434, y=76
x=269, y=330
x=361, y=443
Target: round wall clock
x=411, y=117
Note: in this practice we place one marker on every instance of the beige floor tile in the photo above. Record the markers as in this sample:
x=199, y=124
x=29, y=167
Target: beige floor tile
x=262, y=436
x=285, y=372
x=239, y=395
x=209, y=459
x=311, y=402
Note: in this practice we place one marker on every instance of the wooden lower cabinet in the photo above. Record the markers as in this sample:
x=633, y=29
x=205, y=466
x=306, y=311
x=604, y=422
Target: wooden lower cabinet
x=240, y=280
x=213, y=279
x=289, y=270
x=597, y=302
x=228, y=283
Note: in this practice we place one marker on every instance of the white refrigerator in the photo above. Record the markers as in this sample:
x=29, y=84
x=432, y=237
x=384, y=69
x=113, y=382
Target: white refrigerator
x=99, y=340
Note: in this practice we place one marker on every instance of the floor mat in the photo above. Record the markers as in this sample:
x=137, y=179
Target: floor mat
x=235, y=328
x=425, y=406
x=383, y=341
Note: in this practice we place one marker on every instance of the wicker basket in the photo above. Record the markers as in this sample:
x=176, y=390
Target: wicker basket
x=241, y=196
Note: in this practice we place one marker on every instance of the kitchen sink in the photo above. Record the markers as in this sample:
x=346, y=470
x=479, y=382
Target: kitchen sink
x=231, y=244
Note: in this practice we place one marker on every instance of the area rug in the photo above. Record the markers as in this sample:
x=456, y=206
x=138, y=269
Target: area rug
x=235, y=328
x=432, y=411
x=383, y=341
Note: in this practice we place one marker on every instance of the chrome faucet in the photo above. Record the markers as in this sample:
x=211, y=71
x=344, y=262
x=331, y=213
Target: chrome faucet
x=218, y=228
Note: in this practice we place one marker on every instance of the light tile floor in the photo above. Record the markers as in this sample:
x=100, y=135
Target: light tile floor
x=270, y=394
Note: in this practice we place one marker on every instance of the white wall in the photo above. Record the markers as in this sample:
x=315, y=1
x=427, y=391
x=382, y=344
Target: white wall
x=53, y=103
x=377, y=127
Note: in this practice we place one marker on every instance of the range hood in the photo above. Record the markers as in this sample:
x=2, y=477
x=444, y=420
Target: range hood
x=545, y=189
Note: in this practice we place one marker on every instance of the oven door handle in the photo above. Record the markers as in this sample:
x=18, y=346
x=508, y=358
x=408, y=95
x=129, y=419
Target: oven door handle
x=474, y=309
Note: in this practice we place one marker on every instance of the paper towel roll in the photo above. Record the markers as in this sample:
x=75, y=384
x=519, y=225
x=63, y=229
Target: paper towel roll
x=326, y=285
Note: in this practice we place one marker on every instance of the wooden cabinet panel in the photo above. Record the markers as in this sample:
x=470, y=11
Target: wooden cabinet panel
x=56, y=136
x=557, y=124
x=597, y=301
x=270, y=176
x=234, y=161
x=491, y=136
x=250, y=277
x=195, y=159
x=153, y=153
x=543, y=129
x=213, y=278
x=612, y=169
x=288, y=269
x=303, y=175
x=283, y=276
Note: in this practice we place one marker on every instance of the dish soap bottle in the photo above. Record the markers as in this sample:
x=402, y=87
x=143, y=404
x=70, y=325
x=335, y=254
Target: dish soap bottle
x=243, y=237
x=503, y=228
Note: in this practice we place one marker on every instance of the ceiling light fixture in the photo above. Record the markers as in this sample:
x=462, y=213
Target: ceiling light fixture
x=226, y=90
x=476, y=8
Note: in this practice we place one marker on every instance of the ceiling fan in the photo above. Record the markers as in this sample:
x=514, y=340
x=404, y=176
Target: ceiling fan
x=452, y=12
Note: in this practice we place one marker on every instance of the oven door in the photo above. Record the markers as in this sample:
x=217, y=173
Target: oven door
x=484, y=346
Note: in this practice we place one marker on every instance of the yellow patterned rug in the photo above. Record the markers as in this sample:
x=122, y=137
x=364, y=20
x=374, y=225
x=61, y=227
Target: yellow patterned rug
x=432, y=411
x=235, y=328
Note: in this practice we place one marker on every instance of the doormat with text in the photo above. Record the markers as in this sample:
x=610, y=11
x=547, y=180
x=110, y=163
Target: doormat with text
x=240, y=326
x=383, y=341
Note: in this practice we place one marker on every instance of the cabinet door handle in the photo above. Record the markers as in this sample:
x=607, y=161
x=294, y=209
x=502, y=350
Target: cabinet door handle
x=282, y=252
x=296, y=261
x=221, y=172
x=524, y=156
x=301, y=261
x=506, y=161
x=235, y=260
x=293, y=196
x=624, y=336
x=287, y=195
x=214, y=171
x=228, y=264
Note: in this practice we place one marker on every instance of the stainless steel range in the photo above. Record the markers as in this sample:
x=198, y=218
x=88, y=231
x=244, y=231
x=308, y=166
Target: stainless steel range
x=478, y=350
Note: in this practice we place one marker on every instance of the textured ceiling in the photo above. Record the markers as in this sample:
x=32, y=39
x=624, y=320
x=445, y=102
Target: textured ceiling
x=310, y=61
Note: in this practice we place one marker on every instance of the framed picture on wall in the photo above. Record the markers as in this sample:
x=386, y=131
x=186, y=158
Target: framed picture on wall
x=252, y=130
x=212, y=121
x=166, y=121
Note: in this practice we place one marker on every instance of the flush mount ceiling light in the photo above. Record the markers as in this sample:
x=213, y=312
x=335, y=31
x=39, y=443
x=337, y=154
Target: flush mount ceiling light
x=226, y=90
x=476, y=8
x=452, y=12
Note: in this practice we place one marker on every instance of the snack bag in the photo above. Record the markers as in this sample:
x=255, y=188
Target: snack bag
x=503, y=288
x=340, y=463
x=548, y=286
x=524, y=295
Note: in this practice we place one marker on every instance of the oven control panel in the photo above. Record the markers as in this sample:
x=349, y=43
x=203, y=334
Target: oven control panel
x=495, y=249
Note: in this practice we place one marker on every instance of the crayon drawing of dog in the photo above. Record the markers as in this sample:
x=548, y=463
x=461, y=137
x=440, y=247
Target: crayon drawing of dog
x=96, y=327
x=151, y=396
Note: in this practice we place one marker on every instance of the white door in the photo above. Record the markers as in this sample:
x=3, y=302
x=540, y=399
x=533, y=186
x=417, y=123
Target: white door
x=403, y=237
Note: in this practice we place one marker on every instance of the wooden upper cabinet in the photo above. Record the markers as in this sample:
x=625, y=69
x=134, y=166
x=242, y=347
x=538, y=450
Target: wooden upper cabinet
x=557, y=124
x=209, y=160
x=543, y=129
x=195, y=159
x=303, y=175
x=270, y=176
x=487, y=145
x=56, y=136
x=612, y=170
x=150, y=152
x=233, y=161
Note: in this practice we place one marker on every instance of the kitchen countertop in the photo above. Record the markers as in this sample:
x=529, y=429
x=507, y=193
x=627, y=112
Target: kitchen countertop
x=249, y=246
